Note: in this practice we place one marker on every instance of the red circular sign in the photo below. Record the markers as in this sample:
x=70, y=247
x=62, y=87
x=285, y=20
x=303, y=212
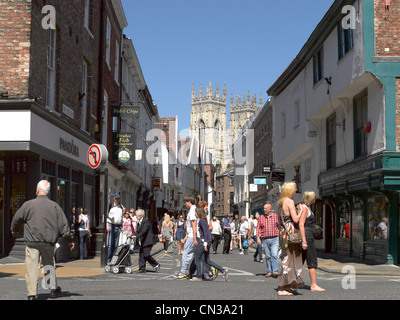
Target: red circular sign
x=94, y=156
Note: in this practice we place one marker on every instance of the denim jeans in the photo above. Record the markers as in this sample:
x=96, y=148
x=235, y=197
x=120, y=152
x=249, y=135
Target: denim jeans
x=258, y=249
x=187, y=255
x=113, y=238
x=83, y=237
x=271, y=247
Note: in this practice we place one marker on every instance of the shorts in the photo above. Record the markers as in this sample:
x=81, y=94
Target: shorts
x=310, y=255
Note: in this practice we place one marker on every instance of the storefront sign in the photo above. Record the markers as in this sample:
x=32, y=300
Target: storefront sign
x=124, y=141
x=350, y=171
x=125, y=111
x=253, y=188
x=278, y=175
x=260, y=180
x=156, y=183
x=69, y=147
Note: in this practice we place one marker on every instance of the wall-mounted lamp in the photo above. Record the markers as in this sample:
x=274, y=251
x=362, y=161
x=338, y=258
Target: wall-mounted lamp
x=367, y=127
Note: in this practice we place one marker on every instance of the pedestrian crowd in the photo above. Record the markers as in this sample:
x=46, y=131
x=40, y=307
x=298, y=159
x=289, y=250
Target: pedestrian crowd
x=288, y=234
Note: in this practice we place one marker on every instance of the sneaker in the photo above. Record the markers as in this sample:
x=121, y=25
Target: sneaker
x=196, y=279
x=157, y=268
x=55, y=292
x=226, y=276
x=32, y=298
x=181, y=276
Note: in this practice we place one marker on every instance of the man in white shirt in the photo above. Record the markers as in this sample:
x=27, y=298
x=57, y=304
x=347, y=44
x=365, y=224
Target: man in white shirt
x=192, y=234
x=114, y=223
x=244, y=232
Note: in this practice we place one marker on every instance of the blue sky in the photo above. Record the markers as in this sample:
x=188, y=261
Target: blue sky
x=245, y=44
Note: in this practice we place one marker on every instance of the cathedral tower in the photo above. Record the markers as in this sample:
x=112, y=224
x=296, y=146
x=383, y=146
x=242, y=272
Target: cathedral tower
x=241, y=113
x=208, y=121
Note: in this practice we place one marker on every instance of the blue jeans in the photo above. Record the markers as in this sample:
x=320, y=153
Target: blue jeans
x=271, y=247
x=83, y=237
x=113, y=238
x=202, y=261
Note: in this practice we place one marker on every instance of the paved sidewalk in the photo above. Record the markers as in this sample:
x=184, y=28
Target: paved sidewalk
x=14, y=267
x=335, y=264
x=329, y=263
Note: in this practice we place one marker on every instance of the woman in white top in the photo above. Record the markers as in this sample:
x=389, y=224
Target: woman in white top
x=216, y=233
x=166, y=231
x=83, y=228
x=253, y=232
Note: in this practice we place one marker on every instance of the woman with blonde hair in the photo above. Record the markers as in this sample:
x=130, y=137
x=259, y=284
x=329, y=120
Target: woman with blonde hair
x=166, y=231
x=307, y=229
x=291, y=275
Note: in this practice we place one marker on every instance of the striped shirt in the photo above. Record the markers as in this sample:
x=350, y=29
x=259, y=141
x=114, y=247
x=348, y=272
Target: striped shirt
x=267, y=226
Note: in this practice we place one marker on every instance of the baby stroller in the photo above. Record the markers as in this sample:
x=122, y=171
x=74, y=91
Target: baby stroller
x=121, y=260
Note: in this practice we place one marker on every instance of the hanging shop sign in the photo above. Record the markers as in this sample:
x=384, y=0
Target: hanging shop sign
x=126, y=111
x=124, y=143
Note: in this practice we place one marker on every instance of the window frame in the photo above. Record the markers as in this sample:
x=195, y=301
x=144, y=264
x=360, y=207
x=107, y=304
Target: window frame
x=331, y=143
x=360, y=145
x=318, y=66
x=345, y=41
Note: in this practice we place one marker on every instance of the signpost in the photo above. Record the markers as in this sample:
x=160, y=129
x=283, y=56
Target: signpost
x=97, y=157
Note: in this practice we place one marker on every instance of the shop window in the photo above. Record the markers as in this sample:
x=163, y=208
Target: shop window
x=344, y=229
x=377, y=213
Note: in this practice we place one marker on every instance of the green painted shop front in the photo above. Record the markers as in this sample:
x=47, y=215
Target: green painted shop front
x=364, y=196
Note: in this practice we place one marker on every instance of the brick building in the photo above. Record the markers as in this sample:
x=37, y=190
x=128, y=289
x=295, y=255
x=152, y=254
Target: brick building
x=224, y=193
x=263, y=156
x=53, y=87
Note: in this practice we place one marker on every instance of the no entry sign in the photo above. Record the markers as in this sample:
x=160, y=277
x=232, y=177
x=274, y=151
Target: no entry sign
x=97, y=156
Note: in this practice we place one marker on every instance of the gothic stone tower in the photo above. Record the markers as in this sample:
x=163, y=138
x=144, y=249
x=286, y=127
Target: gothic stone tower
x=208, y=121
x=241, y=113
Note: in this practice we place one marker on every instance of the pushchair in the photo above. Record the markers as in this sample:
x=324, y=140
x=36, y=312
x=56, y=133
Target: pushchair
x=121, y=260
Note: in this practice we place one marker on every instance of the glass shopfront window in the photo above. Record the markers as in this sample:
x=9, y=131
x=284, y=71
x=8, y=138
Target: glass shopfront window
x=343, y=229
x=378, y=222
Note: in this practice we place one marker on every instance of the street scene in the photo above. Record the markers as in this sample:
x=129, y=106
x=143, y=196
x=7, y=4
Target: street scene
x=222, y=152
x=247, y=281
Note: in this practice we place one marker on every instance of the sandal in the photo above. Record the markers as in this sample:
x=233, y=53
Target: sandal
x=285, y=293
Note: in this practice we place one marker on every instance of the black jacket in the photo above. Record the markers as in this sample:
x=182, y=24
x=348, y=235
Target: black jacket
x=144, y=232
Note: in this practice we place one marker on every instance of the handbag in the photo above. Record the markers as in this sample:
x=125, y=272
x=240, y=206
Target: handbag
x=318, y=234
x=245, y=244
x=292, y=238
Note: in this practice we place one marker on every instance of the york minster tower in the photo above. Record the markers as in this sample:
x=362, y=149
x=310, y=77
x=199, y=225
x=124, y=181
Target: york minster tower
x=208, y=123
